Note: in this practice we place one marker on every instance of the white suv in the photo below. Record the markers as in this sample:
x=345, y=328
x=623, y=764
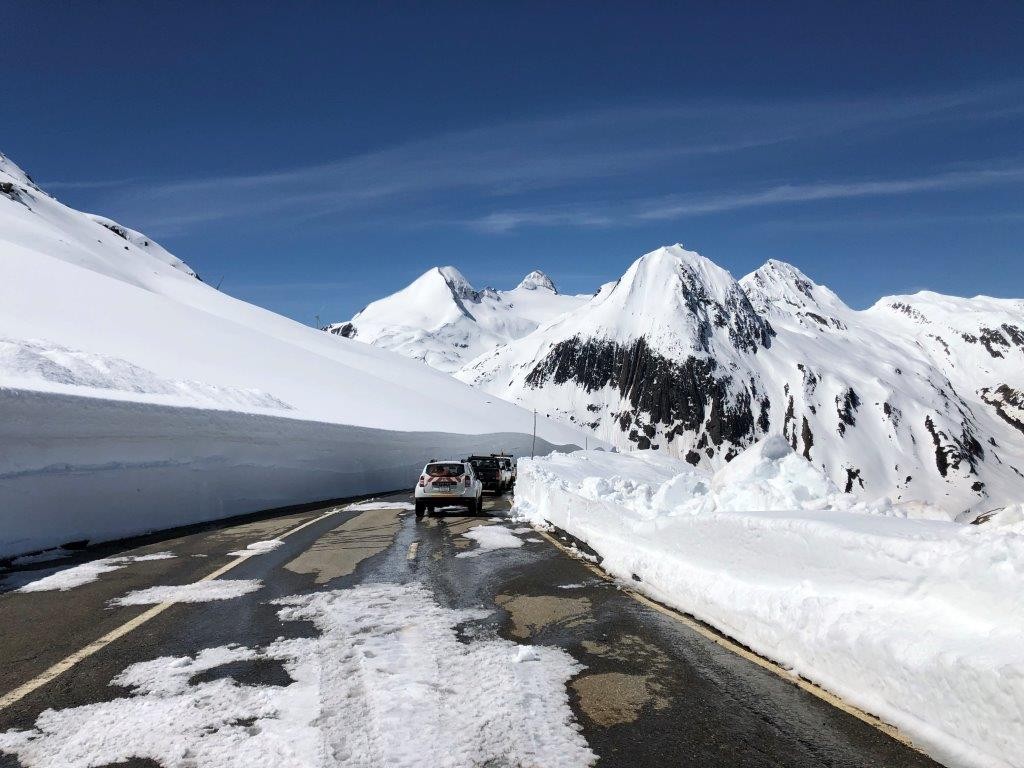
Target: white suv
x=449, y=482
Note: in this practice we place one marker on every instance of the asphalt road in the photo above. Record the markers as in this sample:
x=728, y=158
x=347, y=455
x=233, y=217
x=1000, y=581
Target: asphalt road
x=653, y=692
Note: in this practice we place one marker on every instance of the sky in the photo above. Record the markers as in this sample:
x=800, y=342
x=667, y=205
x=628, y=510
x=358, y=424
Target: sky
x=313, y=157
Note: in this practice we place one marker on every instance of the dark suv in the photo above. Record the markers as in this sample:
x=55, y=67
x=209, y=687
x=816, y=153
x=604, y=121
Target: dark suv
x=489, y=472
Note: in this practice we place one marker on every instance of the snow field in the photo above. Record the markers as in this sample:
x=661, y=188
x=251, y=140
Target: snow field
x=917, y=621
x=387, y=682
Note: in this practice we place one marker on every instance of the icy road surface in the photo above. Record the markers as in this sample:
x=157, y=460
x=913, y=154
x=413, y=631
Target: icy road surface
x=361, y=638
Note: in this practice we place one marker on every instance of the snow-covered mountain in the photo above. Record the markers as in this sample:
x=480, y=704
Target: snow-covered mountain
x=917, y=398
x=441, y=319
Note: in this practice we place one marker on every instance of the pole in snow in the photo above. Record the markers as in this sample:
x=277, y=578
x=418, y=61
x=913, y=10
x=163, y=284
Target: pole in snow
x=533, y=449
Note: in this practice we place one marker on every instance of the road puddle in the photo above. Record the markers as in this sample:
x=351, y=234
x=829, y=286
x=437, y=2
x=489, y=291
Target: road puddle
x=614, y=698
x=531, y=614
x=339, y=551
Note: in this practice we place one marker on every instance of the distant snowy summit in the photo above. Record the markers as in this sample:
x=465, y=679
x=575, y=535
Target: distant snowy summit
x=918, y=398
x=441, y=319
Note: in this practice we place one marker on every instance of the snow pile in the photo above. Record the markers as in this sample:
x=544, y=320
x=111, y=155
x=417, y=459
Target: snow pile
x=197, y=592
x=767, y=476
x=257, y=548
x=490, y=537
x=77, y=575
x=917, y=621
x=364, y=693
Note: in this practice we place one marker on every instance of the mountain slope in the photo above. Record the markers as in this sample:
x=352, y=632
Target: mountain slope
x=441, y=319
x=680, y=357
x=91, y=307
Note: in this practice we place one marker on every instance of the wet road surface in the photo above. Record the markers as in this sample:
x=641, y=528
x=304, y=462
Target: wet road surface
x=651, y=692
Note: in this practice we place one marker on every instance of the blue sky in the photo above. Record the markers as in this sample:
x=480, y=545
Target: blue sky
x=313, y=157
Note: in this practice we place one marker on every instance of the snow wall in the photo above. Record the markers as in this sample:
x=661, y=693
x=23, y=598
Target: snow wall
x=76, y=468
x=917, y=621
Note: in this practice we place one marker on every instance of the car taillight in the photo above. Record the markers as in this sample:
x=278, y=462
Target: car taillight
x=467, y=481
x=423, y=480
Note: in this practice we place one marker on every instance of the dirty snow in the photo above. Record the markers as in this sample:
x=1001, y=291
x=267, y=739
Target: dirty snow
x=76, y=576
x=918, y=621
x=490, y=537
x=197, y=592
x=387, y=682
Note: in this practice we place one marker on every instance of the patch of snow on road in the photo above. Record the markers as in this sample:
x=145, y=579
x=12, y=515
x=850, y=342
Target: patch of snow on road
x=257, y=548
x=490, y=537
x=197, y=592
x=387, y=682
x=85, y=573
x=400, y=689
x=382, y=504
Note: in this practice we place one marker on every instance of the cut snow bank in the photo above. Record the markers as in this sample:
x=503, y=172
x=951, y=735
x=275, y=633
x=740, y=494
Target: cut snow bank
x=917, y=621
x=99, y=469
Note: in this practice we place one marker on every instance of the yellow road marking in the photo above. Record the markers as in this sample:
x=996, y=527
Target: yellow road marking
x=412, y=550
x=730, y=645
x=99, y=644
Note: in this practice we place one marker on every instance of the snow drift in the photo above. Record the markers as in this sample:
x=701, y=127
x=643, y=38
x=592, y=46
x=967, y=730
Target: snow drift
x=917, y=621
x=113, y=329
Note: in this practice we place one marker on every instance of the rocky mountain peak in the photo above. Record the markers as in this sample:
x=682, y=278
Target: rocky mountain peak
x=537, y=280
x=781, y=288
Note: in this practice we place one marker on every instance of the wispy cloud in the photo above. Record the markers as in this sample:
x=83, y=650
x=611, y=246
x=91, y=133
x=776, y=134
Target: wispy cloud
x=796, y=193
x=457, y=176
x=673, y=207
x=57, y=186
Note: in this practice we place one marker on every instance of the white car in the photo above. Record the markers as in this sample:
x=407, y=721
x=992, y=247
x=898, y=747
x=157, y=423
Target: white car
x=508, y=469
x=447, y=483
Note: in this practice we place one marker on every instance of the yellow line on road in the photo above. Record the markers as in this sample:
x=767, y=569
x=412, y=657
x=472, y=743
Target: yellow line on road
x=99, y=644
x=730, y=645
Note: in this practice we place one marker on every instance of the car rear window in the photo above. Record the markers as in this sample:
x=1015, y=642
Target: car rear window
x=445, y=469
x=488, y=463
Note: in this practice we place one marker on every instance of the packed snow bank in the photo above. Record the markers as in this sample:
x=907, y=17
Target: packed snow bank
x=74, y=468
x=918, y=621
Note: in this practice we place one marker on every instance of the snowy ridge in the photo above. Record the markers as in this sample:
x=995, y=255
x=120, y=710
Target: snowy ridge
x=441, y=319
x=913, y=399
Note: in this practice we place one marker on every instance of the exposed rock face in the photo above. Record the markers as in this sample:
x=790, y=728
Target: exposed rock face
x=1008, y=403
x=666, y=398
